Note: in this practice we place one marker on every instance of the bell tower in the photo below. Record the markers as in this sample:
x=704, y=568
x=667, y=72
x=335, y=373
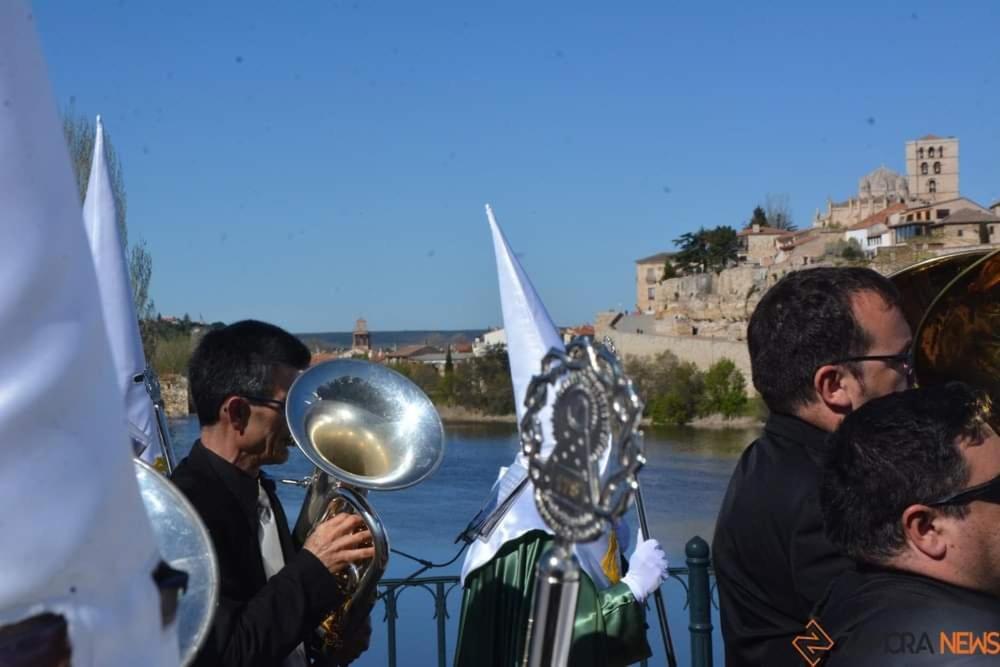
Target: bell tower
x=361, y=341
x=932, y=168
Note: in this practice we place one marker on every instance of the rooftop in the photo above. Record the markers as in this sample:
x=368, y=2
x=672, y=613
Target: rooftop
x=877, y=218
x=658, y=258
x=762, y=230
x=967, y=216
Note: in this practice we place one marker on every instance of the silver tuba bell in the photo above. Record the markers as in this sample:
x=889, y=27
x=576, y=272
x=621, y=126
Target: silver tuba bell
x=364, y=427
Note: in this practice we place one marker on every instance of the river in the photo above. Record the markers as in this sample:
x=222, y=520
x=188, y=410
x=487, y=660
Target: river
x=683, y=483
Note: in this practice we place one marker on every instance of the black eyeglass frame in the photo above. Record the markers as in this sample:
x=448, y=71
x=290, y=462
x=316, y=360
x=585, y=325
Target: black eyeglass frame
x=904, y=358
x=988, y=491
x=269, y=402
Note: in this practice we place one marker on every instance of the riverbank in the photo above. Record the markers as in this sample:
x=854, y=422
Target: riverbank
x=175, y=395
x=457, y=415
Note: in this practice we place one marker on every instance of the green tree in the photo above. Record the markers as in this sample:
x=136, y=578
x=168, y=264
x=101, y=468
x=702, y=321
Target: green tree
x=724, y=390
x=692, y=251
x=668, y=271
x=80, y=133
x=723, y=247
x=707, y=249
x=849, y=250
x=758, y=218
x=680, y=403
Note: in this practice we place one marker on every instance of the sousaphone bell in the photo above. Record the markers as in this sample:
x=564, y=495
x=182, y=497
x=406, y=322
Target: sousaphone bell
x=364, y=427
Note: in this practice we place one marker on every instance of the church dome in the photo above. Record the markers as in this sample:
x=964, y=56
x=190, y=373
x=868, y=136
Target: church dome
x=882, y=182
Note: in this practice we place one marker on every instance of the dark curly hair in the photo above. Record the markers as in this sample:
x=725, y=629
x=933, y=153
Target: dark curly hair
x=804, y=321
x=893, y=452
x=240, y=360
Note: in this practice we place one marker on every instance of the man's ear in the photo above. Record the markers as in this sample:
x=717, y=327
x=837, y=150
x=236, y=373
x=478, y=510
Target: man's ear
x=923, y=527
x=236, y=412
x=829, y=383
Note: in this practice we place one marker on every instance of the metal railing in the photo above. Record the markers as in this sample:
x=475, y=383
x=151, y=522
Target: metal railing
x=695, y=578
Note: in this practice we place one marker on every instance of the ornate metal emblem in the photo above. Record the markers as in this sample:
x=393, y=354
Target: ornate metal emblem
x=595, y=416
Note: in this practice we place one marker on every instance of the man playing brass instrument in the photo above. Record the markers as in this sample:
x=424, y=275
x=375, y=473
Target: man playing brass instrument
x=273, y=595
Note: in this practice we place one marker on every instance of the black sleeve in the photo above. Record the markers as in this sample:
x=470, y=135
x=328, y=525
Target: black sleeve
x=265, y=629
x=815, y=561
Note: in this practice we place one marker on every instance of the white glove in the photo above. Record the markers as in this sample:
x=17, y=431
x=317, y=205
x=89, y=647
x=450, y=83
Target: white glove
x=647, y=568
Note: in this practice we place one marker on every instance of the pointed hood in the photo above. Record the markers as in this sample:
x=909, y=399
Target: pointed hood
x=528, y=328
x=530, y=335
x=100, y=219
x=76, y=537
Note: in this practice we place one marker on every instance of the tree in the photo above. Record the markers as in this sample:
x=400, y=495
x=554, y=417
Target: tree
x=723, y=246
x=692, y=251
x=778, y=211
x=668, y=271
x=707, y=249
x=758, y=218
x=725, y=390
x=849, y=250
x=80, y=134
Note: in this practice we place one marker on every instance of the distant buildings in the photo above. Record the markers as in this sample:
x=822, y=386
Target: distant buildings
x=922, y=212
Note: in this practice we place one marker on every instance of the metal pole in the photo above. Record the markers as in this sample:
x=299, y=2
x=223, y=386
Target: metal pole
x=441, y=612
x=390, y=618
x=700, y=600
x=550, y=628
x=661, y=611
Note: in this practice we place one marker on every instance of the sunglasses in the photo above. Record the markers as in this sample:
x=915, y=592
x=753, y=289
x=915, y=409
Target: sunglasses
x=269, y=402
x=987, y=491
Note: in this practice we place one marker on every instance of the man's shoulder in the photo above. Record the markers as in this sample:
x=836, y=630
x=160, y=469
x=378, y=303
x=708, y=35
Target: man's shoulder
x=197, y=483
x=888, y=617
x=773, y=474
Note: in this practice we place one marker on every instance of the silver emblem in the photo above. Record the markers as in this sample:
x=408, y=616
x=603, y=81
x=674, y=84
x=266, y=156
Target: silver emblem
x=595, y=415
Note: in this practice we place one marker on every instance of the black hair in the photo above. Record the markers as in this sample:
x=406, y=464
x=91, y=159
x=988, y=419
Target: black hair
x=804, y=321
x=893, y=452
x=240, y=359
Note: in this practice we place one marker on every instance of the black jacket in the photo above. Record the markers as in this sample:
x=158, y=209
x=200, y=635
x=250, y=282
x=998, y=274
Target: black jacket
x=772, y=559
x=258, y=621
x=881, y=617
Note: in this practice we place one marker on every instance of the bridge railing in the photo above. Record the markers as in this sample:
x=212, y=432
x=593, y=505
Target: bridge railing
x=696, y=579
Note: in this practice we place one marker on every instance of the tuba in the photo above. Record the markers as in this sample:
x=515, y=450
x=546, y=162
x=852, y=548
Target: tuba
x=364, y=427
x=952, y=303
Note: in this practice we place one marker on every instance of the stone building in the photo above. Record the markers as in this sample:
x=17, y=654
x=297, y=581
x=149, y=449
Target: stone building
x=932, y=168
x=757, y=244
x=931, y=177
x=966, y=227
x=361, y=340
x=873, y=232
x=648, y=274
x=877, y=191
x=916, y=221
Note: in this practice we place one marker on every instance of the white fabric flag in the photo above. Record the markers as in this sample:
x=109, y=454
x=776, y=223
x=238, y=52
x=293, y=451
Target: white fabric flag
x=76, y=537
x=530, y=335
x=101, y=222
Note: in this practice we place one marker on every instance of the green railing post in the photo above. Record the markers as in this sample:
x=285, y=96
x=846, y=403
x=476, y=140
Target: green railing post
x=441, y=614
x=700, y=598
x=390, y=619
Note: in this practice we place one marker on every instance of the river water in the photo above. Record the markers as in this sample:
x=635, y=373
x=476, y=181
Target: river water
x=683, y=484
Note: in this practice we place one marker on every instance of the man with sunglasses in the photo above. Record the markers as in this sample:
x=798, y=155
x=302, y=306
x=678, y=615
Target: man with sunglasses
x=273, y=594
x=912, y=492
x=822, y=342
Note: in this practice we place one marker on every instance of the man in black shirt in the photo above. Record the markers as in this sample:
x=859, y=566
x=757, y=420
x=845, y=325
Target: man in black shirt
x=912, y=492
x=822, y=342
x=273, y=594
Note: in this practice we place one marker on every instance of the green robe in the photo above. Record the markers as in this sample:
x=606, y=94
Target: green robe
x=610, y=626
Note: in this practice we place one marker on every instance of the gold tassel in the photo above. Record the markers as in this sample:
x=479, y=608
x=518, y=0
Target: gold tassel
x=612, y=560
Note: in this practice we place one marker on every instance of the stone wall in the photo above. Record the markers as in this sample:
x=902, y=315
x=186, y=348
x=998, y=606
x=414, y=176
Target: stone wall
x=703, y=351
x=174, y=389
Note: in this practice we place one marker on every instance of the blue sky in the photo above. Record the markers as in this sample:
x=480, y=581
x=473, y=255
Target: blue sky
x=309, y=163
